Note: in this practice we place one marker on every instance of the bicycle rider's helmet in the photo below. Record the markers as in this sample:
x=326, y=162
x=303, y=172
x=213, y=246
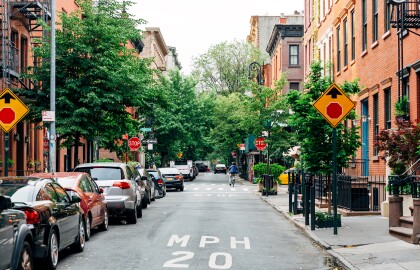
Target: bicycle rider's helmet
x=233, y=163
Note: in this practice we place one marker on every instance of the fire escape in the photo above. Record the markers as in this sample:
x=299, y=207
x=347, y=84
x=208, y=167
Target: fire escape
x=405, y=15
x=32, y=14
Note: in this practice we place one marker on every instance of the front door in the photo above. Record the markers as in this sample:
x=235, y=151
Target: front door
x=365, y=137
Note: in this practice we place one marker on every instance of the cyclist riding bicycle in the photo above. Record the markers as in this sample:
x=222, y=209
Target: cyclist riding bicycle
x=233, y=170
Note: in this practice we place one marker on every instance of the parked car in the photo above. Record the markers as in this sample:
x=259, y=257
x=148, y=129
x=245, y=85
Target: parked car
x=220, y=168
x=93, y=201
x=173, y=178
x=56, y=220
x=122, y=187
x=186, y=171
x=284, y=177
x=16, y=238
x=201, y=167
x=195, y=170
x=158, y=179
x=150, y=187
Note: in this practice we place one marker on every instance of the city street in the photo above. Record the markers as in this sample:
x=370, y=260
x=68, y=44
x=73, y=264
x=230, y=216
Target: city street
x=208, y=226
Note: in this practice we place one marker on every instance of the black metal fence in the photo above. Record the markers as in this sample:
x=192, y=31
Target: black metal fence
x=354, y=193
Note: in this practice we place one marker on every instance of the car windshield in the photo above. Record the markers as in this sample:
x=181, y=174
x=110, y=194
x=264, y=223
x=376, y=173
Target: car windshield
x=155, y=174
x=17, y=192
x=66, y=181
x=103, y=173
x=169, y=171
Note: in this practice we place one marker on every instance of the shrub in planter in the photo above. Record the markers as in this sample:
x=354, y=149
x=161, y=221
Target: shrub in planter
x=325, y=220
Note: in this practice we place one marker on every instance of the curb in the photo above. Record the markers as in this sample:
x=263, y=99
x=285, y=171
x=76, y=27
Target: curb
x=321, y=243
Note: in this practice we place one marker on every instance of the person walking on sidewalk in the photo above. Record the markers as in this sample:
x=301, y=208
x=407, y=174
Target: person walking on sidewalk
x=233, y=170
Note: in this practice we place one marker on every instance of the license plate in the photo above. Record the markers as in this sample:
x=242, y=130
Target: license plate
x=169, y=178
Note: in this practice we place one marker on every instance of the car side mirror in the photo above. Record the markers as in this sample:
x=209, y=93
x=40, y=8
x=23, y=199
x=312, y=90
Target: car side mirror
x=5, y=203
x=75, y=199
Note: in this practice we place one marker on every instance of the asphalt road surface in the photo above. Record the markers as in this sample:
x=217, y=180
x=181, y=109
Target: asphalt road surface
x=209, y=225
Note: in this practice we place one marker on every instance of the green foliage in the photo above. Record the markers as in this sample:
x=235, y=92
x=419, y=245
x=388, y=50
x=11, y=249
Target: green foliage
x=276, y=170
x=259, y=169
x=223, y=68
x=313, y=133
x=401, y=106
x=104, y=160
x=324, y=216
x=97, y=76
x=399, y=145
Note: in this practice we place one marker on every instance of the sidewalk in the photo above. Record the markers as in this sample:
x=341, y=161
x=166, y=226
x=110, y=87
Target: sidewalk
x=363, y=242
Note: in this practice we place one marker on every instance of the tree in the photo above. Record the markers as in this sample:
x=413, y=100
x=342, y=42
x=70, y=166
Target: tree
x=180, y=119
x=313, y=133
x=401, y=145
x=223, y=68
x=97, y=76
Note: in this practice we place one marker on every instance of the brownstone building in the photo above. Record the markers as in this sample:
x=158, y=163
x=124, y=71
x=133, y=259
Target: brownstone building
x=355, y=39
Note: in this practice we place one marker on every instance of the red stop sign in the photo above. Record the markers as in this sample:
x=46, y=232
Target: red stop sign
x=334, y=110
x=7, y=115
x=260, y=143
x=134, y=143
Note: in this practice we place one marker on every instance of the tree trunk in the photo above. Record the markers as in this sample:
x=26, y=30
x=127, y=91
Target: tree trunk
x=76, y=150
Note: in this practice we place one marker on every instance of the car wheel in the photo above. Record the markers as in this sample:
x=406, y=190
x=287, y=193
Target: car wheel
x=154, y=195
x=146, y=200
x=88, y=228
x=104, y=225
x=181, y=189
x=79, y=245
x=132, y=217
x=52, y=256
x=139, y=211
x=25, y=258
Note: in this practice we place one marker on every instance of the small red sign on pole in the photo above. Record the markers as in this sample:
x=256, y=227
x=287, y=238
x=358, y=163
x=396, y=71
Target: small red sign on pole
x=134, y=144
x=260, y=143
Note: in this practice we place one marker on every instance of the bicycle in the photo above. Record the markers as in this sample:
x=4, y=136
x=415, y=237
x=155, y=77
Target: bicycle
x=232, y=180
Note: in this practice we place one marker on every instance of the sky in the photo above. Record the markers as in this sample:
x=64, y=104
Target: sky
x=193, y=26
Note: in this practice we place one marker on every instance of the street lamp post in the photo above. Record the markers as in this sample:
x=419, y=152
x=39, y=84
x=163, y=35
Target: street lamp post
x=256, y=73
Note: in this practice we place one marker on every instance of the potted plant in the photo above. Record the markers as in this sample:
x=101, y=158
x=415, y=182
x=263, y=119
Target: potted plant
x=325, y=220
x=10, y=162
x=402, y=108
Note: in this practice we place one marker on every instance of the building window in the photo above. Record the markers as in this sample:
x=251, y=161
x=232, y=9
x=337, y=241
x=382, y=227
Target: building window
x=387, y=19
x=364, y=25
x=353, y=37
x=338, y=49
x=294, y=86
x=324, y=58
x=387, y=97
x=375, y=20
x=375, y=122
x=345, y=43
x=293, y=55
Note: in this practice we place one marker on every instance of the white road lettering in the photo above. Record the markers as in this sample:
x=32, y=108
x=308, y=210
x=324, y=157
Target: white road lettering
x=213, y=259
x=176, y=239
x=173, y=263
x=245, y=242
x=208, y=240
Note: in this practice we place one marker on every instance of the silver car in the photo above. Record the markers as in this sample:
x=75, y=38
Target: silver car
x=122, y=187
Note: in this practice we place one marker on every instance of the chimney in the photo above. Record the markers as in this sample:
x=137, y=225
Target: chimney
x=282, y=20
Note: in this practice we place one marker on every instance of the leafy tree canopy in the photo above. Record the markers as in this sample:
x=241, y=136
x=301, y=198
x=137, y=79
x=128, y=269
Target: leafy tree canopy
x=313, y=132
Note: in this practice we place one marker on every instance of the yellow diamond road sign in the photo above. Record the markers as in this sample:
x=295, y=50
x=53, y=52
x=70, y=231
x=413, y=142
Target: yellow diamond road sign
x=334, y=105
x=12, y=110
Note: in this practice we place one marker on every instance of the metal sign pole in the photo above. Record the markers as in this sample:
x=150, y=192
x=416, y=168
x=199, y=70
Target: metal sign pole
x=334, y=193
x=52, y=156
x=6, y=154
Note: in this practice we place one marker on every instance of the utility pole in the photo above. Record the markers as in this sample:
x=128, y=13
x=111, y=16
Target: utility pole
x=52, y=157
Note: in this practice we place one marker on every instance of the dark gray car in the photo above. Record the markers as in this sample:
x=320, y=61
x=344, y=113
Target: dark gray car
x=15, y=237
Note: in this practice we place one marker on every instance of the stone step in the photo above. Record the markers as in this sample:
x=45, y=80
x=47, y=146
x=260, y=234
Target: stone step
x=406, y=222
x=402, y=233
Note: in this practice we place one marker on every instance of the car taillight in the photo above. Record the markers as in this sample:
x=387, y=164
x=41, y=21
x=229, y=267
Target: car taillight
x=121, y=185
x=160, y=182
x=32, y=216
x=178, y=177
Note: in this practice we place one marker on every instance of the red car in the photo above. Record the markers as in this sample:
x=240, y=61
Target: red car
x=93, y=201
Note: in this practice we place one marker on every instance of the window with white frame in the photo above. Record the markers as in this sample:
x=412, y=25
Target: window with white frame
x=293, y=55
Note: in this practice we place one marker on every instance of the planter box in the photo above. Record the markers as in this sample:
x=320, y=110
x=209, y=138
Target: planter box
x=327, y=223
